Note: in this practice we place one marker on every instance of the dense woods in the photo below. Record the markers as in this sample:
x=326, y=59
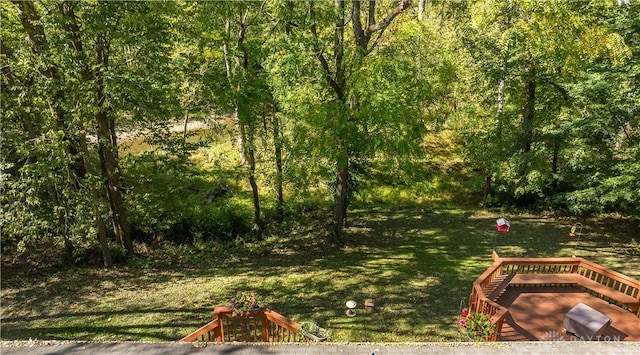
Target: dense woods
x=309, y=106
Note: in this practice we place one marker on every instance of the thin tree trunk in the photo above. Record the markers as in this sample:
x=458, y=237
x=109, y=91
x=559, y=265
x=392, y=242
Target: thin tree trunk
x=277, y=142
x=108, y=152
x=242, y=150
x=499, y=109
x=186, y=124
x=487, y=188
x=554, y=166
x=342, y=159
x=526, y=126
x=345, y=205
x=230, y=78
x=73, y=30
x=257, y=222
x=97, y=196
x=340, y=200
x=242, y=115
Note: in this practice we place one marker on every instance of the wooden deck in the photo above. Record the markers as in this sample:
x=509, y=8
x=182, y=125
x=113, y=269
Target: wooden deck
x=537, y=313
x=527, y=298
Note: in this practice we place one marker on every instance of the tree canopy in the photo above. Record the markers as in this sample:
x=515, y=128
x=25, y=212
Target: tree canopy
x=537, y=102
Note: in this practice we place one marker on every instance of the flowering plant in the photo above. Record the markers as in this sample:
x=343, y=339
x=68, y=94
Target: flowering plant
x=244, y=301
x=477, y=326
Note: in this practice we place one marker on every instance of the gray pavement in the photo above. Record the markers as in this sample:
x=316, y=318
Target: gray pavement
x=134, y=348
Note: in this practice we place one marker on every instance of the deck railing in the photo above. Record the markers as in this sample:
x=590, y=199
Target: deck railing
x=478, y=302
x=610, y=278
x=260, y=326
x=613, y=286
x=595, y=279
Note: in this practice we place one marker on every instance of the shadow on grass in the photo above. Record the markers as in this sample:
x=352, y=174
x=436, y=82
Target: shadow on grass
x=417, y=264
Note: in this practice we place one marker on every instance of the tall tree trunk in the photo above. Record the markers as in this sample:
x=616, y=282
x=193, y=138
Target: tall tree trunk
x=73, y=31
x=277, y=142
x=240, y=140
x=251, y=159
x=528, y=114
x=245, y=122
x=106, y=142
x=499, y=109
x=186, y=125
x=336, y=81
x=108, y=152
x=340, y=198
x=97, y=197
x=231, y=68
x=554, y=166
x=342, y=158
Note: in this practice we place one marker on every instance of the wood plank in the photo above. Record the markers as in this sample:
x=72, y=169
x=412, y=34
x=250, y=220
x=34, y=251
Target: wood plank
x=204, y=330
x=545, y=279
x=610, y=293
x=537, y=313
x=557, y=279
x=497, y=290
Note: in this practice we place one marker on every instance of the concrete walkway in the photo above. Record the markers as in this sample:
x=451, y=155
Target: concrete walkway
x=511, y=348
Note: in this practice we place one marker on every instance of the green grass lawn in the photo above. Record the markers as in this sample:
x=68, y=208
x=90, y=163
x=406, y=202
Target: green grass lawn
x=416, y=263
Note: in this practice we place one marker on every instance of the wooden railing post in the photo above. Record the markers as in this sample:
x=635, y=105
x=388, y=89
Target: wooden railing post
x=265, y=327
x=574, y=268
x=218, y=332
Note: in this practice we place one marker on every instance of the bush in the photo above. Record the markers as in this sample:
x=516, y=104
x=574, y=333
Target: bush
x=170, y=199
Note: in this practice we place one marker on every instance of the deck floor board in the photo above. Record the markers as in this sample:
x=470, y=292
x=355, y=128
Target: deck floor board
x=537, y=313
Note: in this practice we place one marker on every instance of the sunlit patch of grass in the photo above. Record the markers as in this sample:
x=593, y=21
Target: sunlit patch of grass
x=416, y=263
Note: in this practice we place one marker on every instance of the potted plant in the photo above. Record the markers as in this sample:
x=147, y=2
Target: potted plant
x=311, y=330
x=477, y=326
x=244, y=302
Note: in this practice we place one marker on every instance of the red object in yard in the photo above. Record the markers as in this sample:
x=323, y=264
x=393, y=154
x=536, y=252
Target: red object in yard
x=502, y=224
x=464, y=312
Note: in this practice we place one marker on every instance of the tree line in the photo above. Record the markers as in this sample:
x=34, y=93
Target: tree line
x=541, y=99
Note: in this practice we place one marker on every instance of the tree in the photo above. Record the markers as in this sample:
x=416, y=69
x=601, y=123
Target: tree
x=367, y=34
x=528, y=51
x=84, y=68
x=243, y=73
x=603, y=169
x=66, y=174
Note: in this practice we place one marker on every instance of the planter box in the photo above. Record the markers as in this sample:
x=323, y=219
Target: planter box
x=313, y=337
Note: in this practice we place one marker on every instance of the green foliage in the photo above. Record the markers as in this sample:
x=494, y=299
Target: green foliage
x=477, y=326
x=310, y=327
x=566, y=51
x=430, y=112
x=169, y=198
